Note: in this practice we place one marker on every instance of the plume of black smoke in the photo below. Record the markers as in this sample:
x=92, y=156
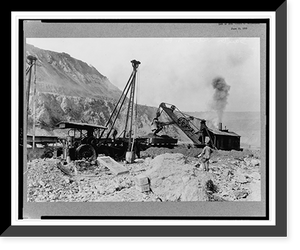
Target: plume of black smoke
x=220, y=96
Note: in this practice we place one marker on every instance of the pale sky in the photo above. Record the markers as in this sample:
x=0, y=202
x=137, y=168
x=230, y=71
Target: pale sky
x=173, y=70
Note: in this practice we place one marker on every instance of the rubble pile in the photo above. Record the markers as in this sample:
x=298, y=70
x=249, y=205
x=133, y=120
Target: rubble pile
x=46, y=182
x=174, y=178
x=233, y=176
x=49, y=180
x=237, y=179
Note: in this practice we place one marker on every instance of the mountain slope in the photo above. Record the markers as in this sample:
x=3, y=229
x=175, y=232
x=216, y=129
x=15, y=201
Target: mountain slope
x=60, y=73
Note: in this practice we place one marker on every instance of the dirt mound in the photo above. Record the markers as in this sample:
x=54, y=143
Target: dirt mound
x=173, y=178
x=232, y=176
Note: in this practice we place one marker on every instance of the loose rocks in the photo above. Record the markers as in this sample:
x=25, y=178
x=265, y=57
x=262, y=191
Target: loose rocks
x=171, y=176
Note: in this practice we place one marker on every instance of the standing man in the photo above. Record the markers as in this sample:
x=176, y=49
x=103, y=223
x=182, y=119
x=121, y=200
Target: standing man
x=114, y=134
x=206, y=154
x=156, y=126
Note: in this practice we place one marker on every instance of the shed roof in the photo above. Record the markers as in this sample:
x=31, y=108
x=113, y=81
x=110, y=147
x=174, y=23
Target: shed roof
x=224, y=133
x=78, y=125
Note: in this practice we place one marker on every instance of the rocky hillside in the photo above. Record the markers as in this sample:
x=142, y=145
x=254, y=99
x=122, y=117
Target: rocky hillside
x=52, y=108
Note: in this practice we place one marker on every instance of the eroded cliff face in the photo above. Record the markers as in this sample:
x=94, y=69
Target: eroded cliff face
x=52, y=108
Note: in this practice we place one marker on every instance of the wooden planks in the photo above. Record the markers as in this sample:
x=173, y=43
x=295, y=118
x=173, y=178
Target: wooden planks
x=112, y=165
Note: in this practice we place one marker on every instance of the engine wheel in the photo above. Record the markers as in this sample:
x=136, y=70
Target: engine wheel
x=86, y=151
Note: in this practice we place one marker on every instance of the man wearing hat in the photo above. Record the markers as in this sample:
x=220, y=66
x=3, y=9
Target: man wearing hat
x=156, y=126
x=205, y=154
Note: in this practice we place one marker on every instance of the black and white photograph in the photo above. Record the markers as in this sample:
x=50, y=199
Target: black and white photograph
x=143, y=119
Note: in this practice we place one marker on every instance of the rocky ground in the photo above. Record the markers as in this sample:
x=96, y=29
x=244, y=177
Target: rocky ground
x=173, y=174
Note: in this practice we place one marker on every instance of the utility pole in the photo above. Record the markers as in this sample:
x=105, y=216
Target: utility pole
x=32, y=60
x=33, y=109
x=32, y=63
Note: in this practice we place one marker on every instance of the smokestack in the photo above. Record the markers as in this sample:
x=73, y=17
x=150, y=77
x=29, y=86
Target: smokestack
x=220, y=126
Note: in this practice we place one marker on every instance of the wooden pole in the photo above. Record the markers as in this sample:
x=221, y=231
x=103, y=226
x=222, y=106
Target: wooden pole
x=34, y=107
x=129, y=153
x=131, y=114
x=32, y=60
x=28, y=91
